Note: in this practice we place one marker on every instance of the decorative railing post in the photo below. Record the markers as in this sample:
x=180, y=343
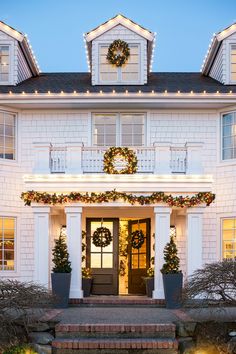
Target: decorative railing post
x=194, y=158
x=74, y=158
x=162, y=158
x=42, y=155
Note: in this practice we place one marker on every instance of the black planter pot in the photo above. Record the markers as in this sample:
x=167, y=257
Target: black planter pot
x=86, y=286
x=149, y=282
x=61, y=288
x=173, y=284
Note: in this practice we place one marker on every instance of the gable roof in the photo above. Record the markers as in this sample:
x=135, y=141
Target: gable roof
x=215, y=46
x=24, y=44
x=119, y=20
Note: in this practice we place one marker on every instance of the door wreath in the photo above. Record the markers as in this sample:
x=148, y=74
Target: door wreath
x=118, y=52
x=127, y=154
x=137, y=239
x=102, y=237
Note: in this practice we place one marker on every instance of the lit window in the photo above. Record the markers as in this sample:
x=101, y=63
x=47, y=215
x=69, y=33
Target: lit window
x=7, y=243
x=229, y=136
x=119, y=130
x=7, y=136
x=233, y=63
x=4, y=63
x=229, y=238
x=128, y=72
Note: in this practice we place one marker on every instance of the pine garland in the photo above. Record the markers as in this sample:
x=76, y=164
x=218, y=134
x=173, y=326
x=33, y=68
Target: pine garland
x=112, y=196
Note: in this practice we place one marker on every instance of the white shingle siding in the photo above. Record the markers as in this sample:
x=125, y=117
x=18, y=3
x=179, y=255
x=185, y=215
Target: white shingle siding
x=123, y=33
x=60, y=127
x=23, y=71
x=217, y=70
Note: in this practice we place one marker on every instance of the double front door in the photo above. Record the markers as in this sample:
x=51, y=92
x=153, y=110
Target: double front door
x=104, y=261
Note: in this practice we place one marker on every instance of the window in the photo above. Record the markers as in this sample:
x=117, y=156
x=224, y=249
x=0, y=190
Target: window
x=129, y=72
x=4, y=63
x=233, y=63
x=229, y=136
x=7, y=242
x=229, y=238
x=119, y=129
x=7, y=136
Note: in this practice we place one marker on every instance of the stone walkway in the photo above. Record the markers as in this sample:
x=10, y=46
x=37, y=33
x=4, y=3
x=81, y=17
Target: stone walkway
x=139, y=315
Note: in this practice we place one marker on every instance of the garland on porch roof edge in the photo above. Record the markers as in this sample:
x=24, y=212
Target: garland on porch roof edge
x=112, y=196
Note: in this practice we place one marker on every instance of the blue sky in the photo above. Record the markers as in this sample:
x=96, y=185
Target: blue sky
x=55, y=28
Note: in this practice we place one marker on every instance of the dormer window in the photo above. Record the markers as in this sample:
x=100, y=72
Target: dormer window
x=4, y=63
x=233, y=63
x=127, y=73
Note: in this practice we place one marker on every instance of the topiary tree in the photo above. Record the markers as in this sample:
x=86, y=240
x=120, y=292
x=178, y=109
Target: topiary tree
x=171, y=265
x=61, y=256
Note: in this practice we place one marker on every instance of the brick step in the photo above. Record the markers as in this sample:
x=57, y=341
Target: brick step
x=160, y=330
x=116, y=301
x=117, y=346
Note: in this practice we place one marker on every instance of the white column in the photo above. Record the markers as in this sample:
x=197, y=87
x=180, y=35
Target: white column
x=74, y=158
x=194, y=238
x=162, y=158
x=42, y=158
x=41, y=244
x=162, y=236
x=74, y=242
x=194, y=158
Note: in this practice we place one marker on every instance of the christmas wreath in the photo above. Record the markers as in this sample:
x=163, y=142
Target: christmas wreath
x=137, y=239
x=102, y=237
x=120, y=152
x=118, y=52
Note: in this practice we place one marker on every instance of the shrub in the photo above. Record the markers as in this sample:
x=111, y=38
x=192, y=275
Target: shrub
x=215, y=282
x=61, y=256
x=21, y=304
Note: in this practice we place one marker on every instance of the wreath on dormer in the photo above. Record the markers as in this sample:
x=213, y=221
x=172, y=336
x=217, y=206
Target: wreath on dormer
x=118, y=53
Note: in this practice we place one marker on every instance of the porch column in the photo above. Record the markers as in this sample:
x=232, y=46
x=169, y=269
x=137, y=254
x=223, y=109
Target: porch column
x=41, y=244
x=162, y=158
x=74, y=243
x=194, y=239
x=162, y=236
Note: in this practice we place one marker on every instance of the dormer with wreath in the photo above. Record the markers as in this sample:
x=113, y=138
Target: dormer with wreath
x=119, y=52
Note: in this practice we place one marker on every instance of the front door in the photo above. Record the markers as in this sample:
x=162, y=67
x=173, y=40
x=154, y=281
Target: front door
x=103, y=261
x=138, y=257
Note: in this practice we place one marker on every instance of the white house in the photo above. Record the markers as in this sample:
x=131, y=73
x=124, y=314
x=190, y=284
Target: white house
x=55, y=129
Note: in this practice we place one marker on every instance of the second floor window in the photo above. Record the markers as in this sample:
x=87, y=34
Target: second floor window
x=7, y=136
x=119, y=129
x=233, y=63
x=4, y=63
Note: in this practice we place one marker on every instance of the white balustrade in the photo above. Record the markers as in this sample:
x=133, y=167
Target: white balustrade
x=161, y=158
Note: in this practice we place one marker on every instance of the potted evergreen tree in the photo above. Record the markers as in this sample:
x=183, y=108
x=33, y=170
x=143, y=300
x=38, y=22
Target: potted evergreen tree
x=86, y=281
x=172, y=276
x=61, y=275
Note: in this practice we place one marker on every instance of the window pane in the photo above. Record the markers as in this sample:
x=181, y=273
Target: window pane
x=7, y=240
x=227, y=154
x=95, y=260
x=4, y=63
x=104, y=130
x=229, y=238
x=107, y=260
x=7, y=136
x=134, y=261
x=228, y=118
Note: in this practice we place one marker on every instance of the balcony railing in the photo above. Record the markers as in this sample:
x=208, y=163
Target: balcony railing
x=161, y=158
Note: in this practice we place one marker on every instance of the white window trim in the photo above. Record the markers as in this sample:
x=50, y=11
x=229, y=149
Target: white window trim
x=16, y=271
x=226, y=161
x=141, y=64
x=11, y=62
x=15, y=161
x=118, y=126
x=222, y=218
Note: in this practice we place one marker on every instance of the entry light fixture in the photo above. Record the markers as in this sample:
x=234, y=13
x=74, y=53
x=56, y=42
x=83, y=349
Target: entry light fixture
x=63, y=231
x=173, y=231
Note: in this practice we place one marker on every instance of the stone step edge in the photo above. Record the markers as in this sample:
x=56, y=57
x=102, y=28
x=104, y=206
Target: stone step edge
x=92, y=301
x=164, y=343
x=116, y=328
